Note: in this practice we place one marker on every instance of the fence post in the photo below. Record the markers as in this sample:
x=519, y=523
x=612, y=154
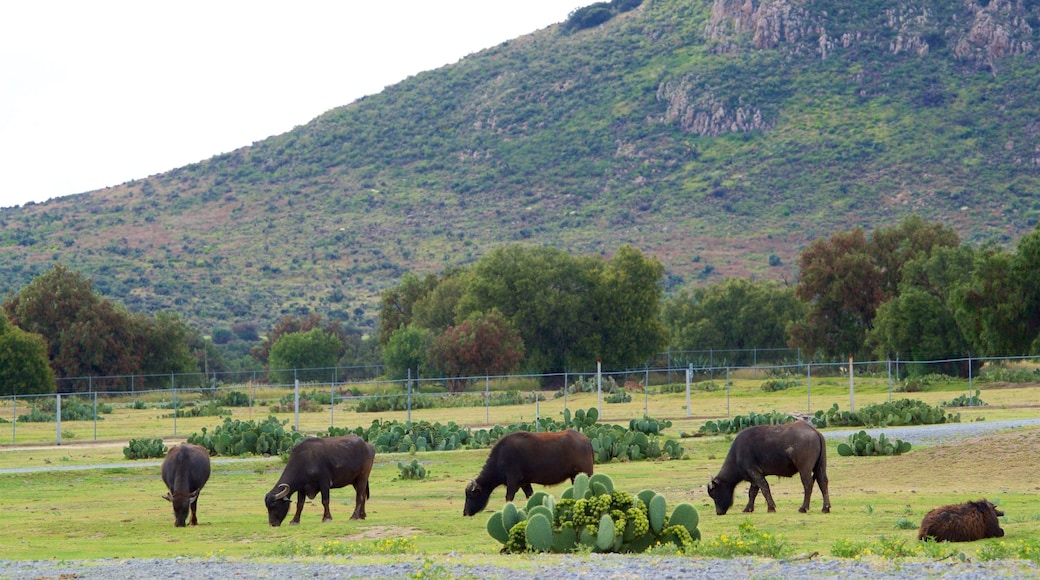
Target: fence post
x=14, y=418
x=332, y=399
x=852, y=388
x=409, y=400
x=808, y=387
x=599, y=387
x=689, y=379
x=487, y=399
x=95, y=416
x=565, y=387
x=296, y=402
x=57, y=416
x=173, y=387
x=970, y=382
x=646, y=393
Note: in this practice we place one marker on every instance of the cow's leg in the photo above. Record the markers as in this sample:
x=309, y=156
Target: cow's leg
x=807, y=485
x=299, y=509
x=194, y=521
x=359, y=500
x=752, y=494
x=821, y=480
x=527, y=489
x=512, y=484
x=759, y=480
x=325, y=502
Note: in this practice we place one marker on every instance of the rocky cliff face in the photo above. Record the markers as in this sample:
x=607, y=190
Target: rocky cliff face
x=978, y=30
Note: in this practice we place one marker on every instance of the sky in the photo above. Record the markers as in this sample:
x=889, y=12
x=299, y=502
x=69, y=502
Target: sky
x=97, y=93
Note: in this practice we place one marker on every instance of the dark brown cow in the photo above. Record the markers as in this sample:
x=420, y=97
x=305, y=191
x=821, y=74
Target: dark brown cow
x=184, y=471
x=782, y=450
x=962, y=522
x=522, y=458
x=318, y=464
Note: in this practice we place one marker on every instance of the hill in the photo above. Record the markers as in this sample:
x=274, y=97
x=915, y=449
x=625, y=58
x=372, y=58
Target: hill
x=719, y=136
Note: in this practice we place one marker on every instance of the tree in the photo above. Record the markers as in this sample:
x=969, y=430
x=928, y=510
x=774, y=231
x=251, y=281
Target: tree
x=24, y=369
x=995, y=309
x=304, y=355
x=407, y=350
x=735, y=314
x=628, y=309
x=485, y=343
x=893, y=248
x=546, y=294
x=437, y=309
x=919, y=323
x=396, y=303
x=288, y=324
x=843, y=287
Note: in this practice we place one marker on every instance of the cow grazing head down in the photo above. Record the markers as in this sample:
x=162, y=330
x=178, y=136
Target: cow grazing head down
x=784, y=450
x=278, y=502
x=184, y=471
x=523, y=458
x=722, y=494
x=316, y=465
x=963, y=522
x=182, y=504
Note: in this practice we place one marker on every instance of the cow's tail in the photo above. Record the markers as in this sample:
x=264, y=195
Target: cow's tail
x=368, y=490
x=821, y=459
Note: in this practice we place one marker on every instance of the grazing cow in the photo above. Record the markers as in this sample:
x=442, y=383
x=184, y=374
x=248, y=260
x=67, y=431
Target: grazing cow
x=522, y=458
x=783, y=450
x=963, y=522
x=184, y=471
x=318, y=464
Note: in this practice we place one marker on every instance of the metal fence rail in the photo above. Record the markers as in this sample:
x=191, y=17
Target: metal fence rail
x=335, y=398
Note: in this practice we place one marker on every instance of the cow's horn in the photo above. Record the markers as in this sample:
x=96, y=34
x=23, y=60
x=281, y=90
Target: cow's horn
x=168, y=497
x=283, y=490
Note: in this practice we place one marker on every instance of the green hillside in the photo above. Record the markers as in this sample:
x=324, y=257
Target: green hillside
x=719, y=139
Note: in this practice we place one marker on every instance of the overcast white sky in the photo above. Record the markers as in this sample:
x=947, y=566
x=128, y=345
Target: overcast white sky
x=96, y=93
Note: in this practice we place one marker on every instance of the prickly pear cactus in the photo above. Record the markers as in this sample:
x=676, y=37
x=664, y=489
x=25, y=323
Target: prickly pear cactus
x=594, y=514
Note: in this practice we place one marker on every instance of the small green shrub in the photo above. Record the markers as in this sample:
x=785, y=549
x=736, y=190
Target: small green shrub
x=236, y=399
x=773, y=385
x=235, y=437
x=413, y=470
x=862, y=444
x=965, y=401
x=145, y=449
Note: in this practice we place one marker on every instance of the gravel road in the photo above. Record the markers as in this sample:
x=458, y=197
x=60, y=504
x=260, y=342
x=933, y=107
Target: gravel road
x=595, y=566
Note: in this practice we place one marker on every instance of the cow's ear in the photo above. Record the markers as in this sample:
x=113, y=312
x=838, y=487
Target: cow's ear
x=168, y=497
x=473, y=487
x=194, y=496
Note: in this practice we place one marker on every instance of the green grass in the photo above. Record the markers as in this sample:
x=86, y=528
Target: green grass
x=877, y=501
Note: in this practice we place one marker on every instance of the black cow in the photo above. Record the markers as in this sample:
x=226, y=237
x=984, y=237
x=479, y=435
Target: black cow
x=522, y=458
x=782, y=450
x=318, y=464
x=184, y=471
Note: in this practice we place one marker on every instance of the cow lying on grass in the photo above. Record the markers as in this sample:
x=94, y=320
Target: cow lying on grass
x=522, y=458
x=783, y=450
x=962, y=522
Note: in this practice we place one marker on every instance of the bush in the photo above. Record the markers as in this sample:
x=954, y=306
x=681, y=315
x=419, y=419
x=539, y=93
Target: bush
x=145, y=449
x=965, y=401
x=413, y=470
x=234, y=437
x=773, y=385
x=236, y=399
x=592, y=515
x=72, y=409
x=892, y=414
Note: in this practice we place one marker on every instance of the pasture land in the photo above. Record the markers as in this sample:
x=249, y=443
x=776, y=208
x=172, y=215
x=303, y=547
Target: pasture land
x=83, y=500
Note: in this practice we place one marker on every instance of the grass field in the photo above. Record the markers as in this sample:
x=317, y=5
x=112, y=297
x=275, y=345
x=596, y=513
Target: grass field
x=82, y=499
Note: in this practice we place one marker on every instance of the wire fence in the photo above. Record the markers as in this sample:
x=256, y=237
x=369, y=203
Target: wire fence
x=178, y=405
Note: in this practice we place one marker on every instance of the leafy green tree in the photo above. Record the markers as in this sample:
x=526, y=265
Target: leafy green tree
x=436, y=310
x=920, y=323
x=546, y=294
x=997, y=309
x=484, y=344
x=628, y=309
x=24, y=369
x=843, y=287
x=407, y=349
x=735, y=314
x=396, y=303
x=304, y=355
x=289, y=324
x=893, y=248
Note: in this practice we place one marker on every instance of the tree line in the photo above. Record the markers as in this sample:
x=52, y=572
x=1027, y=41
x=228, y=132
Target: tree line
x=911, y=292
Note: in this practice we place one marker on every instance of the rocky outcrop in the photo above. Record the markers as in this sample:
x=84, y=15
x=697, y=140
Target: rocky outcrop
x=698, y=110
x=979, y=30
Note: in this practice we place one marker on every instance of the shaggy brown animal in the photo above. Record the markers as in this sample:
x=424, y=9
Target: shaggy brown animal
x=962, y=522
